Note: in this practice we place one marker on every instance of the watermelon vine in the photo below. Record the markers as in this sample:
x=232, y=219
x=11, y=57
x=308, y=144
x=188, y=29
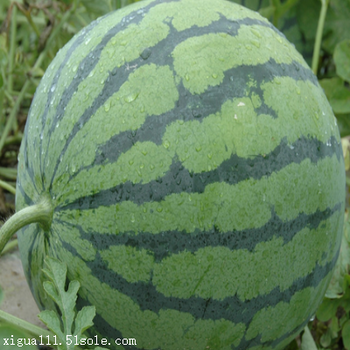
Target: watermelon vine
x=40, y=213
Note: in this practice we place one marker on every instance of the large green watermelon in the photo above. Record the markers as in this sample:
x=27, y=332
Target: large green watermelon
x=196, y=176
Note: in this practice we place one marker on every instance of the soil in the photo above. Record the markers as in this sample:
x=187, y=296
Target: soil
x=18, y=300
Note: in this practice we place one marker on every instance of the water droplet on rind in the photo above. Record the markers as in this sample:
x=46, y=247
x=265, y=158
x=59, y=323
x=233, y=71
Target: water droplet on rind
x=166, y=144
x=256, y=33
x=107, y=106
x=256, y=43
x=146, y=53
x=132, y=97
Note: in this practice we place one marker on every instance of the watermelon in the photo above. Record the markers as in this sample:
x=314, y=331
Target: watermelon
x=195, y=176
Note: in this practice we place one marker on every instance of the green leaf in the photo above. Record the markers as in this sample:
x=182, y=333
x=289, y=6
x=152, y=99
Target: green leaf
x=338, y=95
x=8, y=332
x=98, y=8
x=343, y=124
x=307, y=342
x=326, y=339
x=53, y=322
x=308, y=13
x=84, y=319
x=327, y=309
x=336, y=27
x=342, y=59
x=345, y=300
x=267, y=12
x=346, y=334
x=71, y=324
x=252, y=4
x=334, y=327
x=337, y=24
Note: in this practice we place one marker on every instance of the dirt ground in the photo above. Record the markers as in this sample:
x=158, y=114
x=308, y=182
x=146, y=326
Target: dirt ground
x=18, y=300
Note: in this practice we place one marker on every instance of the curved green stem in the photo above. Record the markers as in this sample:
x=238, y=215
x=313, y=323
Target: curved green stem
x=8, y=173
x=10, y=246
x=7, y=187
x=319, y=32
x=40, y=213
x=24, y=325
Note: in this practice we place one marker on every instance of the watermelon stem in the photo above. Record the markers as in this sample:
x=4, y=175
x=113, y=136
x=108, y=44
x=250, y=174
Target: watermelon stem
x=38, y=332
x=319, y=32
x=40, y=213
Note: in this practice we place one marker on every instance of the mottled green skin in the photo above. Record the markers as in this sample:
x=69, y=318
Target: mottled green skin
x=196, y=174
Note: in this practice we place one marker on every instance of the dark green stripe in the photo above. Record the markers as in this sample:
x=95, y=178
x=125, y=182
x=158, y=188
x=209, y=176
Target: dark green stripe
x=205, y=104
x=161, y=55
x=103, y=327
x=235, y=169
x=28, y=201
x=148, y=298
x=31, y=250
x=78, y=41
x=190, y=107
x=173, y=242
x=28, y=167
x=86, y=66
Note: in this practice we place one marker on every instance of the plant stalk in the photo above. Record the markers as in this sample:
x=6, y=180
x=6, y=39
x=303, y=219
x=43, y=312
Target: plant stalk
x=319, y=32
x=8, y=173
x=24, y=325
x=40, y=213
x=12, y=48
x=10, y=246
x=7, y=187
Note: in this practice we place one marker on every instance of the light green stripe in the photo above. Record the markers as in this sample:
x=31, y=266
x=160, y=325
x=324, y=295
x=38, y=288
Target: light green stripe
x=218, y=272
x=142, y=163
x=200, y=146
x=201, y=61
x=187, y=14
x=71, y=235
x=37, y=253
x=133, y=264
x=203, y=146
x=124, y=47
x=35, y=124
x=284, y=317
x=82, y=97
x=302, y=109
x=146, y=326
x=24, y=181
x=150, y=90
x=245, y=205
